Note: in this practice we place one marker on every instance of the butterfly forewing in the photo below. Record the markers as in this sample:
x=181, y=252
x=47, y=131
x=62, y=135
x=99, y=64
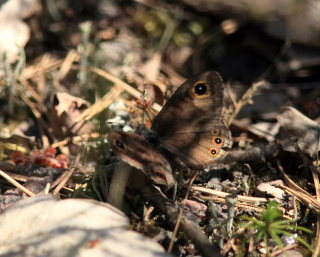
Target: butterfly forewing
x=191, y=126
x=186, y=111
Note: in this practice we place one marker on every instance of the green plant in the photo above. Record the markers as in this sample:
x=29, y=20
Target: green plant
x=272, y=225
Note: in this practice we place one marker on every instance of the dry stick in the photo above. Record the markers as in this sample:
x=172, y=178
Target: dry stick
x=315, y=176
x=317, y=247
x=175, y=231
x=291, y=183
x=19, y=177
x=67, y=63
x=197, y=236
x=30, y=89
x=297, y=191
x=35, y=111
x=24, y=178
x=16, y=184
x=316, y=252
x=255, y=154
x=305, y=199
x=100, y=105
x=132, y=91
x=238, y=204
x=44, y=65
x=246, y=99
x=62, y=180
x=224, y=195
x=75, y=139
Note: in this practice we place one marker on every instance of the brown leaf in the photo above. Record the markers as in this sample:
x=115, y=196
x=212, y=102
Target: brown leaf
x=151, y=68
x=66, y=110
x=295, y=124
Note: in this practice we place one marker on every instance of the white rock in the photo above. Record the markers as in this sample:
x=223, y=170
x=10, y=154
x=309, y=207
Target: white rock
x=44, y=226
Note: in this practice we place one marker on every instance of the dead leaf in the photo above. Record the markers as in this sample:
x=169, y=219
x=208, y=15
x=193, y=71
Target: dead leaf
x=151, y=68
x=306, y=131
x=269, y=188
x=195, y=207
x=64, y=113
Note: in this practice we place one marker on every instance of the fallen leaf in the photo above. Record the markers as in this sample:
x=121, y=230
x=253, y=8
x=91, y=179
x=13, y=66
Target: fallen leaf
x=306, y=131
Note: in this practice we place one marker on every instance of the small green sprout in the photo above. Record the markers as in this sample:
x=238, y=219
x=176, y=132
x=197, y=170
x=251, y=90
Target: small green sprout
x=271, y=225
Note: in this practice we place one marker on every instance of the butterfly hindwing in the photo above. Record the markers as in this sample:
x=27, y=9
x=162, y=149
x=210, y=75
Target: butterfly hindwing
x=135, y=150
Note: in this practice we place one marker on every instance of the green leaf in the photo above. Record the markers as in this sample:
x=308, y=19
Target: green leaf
x=276, y=238
x=302, y=241
x=272, y=213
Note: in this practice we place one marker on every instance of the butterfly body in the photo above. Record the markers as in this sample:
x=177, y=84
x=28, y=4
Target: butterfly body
x=189, y=130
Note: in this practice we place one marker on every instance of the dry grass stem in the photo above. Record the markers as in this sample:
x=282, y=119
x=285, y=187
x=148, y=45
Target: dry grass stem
x=47, y=63
x=34, y=110
x=75, y=139
x=221, y=194
x=132, y=91
x=25, y=178
x=64, y=179
x=302, y=195
x=16, y=184
x=30, y=89
x=246, y=99
x=100, y=105
x=291, y=183
x=317, y=189
x=176, y=228
x=17, y=176
x=66, y=66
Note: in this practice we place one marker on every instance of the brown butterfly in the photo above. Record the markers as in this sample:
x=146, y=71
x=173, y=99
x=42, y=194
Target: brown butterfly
x=189, y=132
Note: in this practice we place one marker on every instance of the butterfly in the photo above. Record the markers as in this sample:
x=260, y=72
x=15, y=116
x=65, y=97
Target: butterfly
x=189, y=132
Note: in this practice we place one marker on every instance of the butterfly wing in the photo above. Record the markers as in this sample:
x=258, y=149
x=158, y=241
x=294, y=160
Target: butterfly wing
x=190, y=125
x=137, y=152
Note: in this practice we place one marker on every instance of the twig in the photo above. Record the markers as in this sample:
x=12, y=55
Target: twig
x=100, y=105
x=23, y=178
x=317, y=188
x=64, y=179
x=257, y=153
x=315, y=176
x=17, y=176
x=45, y=64
x=246, y=99
x=75, y=139
x=135, y=93
x=224, y=195
x=175, y=231
x=297, y=191
x=35, y=110
x=16, y=184
x=245, y=202
x=67, y=63
x=197, y=236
